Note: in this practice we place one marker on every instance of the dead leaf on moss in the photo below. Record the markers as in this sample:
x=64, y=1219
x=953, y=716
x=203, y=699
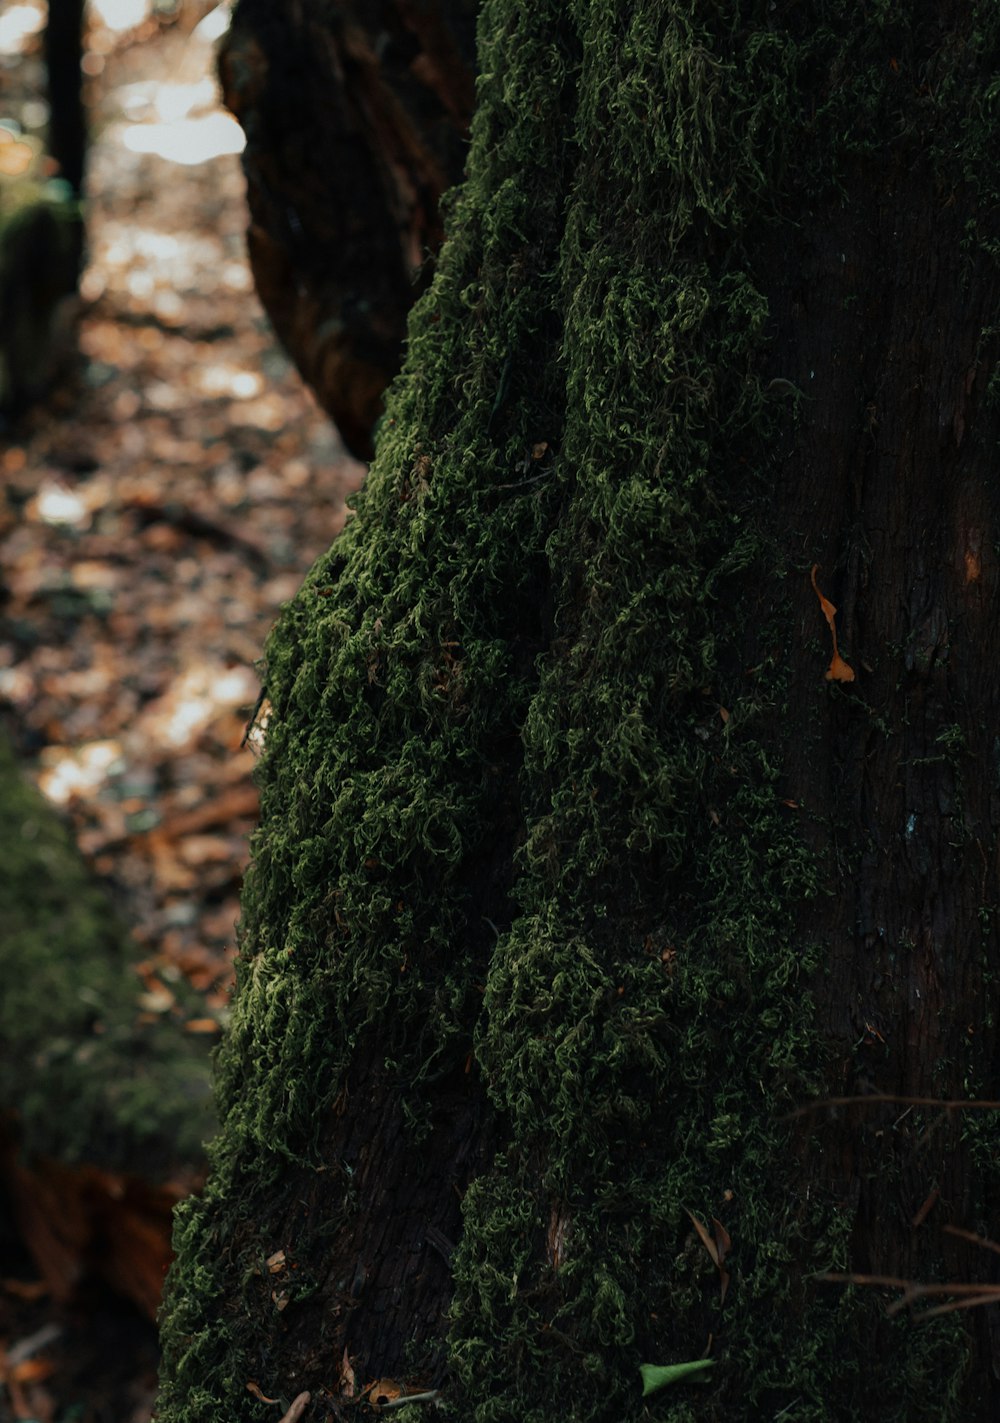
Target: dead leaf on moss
x=718, y=1248
x=257, y=1392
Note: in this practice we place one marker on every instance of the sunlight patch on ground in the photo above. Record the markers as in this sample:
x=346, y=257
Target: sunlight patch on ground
x=120, y=15
x=221, y=379
x=178, y=101
x=193, y=702
x=55, y=504
x=67, y=772
x=18, y=25
x=187, y=141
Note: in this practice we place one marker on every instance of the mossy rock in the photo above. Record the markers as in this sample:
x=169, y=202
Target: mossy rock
x=87, y=1079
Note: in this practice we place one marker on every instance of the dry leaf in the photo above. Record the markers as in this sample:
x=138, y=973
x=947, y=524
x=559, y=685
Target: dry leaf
x=31, y=1371
x=718, y=1248
x=705, y=1238
x=381, y=1391
x=723, y=1240
x=276, y=1261
x=838, y=670
x=255, y=1389
x=346, y=1375
x=201, y=1025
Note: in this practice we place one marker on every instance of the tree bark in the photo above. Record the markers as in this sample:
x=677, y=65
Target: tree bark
x=67, y=139
x=356, y=118
x=600, y=850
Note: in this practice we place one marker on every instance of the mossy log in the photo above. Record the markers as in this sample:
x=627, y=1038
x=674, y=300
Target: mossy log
x=103, y=1113
x=591, y=867
x=356, y=116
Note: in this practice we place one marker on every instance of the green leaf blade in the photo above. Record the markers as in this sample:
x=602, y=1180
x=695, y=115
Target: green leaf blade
x=656, y=1376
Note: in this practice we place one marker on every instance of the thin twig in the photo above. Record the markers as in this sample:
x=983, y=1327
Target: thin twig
x=403, y=1398
x=972, y=1237
x=970, y=1303
x=872, y=1099
x=297, y=1409
x=911, y=1288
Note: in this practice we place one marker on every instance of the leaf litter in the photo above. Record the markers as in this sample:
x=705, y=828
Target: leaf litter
x=158, y=508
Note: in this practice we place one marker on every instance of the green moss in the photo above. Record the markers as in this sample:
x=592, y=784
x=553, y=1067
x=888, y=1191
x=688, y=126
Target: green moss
x=501, y=809
x=85, y=1079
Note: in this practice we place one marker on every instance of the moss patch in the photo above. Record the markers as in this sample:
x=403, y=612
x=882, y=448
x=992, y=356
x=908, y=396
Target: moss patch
x=85, y=1079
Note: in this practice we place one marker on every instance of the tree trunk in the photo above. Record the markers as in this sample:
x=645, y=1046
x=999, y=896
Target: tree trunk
x=599, y=849
x=67, y=140
x=356, y=116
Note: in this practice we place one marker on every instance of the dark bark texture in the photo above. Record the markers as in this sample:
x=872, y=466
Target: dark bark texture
x=632, y=783
x=67, y=140
x=356, y=116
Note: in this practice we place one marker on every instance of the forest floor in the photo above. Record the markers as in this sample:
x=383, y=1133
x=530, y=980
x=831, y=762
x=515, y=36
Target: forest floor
x=159, y=507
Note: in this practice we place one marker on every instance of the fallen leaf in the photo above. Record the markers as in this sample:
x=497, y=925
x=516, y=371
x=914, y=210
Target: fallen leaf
x=705, y=1238
x=346, y=1375
x=838, y=670
x=723, y=1240
x=381, y=1391
x=202, y=1025
x=32, y=1370
x=718, y=1248
x=257, y=1392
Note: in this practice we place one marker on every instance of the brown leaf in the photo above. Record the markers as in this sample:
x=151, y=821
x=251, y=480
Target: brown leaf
x=346, y=1375
x=723, y=1240
x=255, y=1389
x=382, y=1391
x=838, y=670
x=705, y=1239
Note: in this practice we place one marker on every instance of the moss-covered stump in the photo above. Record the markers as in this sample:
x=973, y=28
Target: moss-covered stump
x=588, y=856
x=103, y=1117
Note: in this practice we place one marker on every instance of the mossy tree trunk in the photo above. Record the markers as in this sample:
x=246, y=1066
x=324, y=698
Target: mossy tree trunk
x=578, y=872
